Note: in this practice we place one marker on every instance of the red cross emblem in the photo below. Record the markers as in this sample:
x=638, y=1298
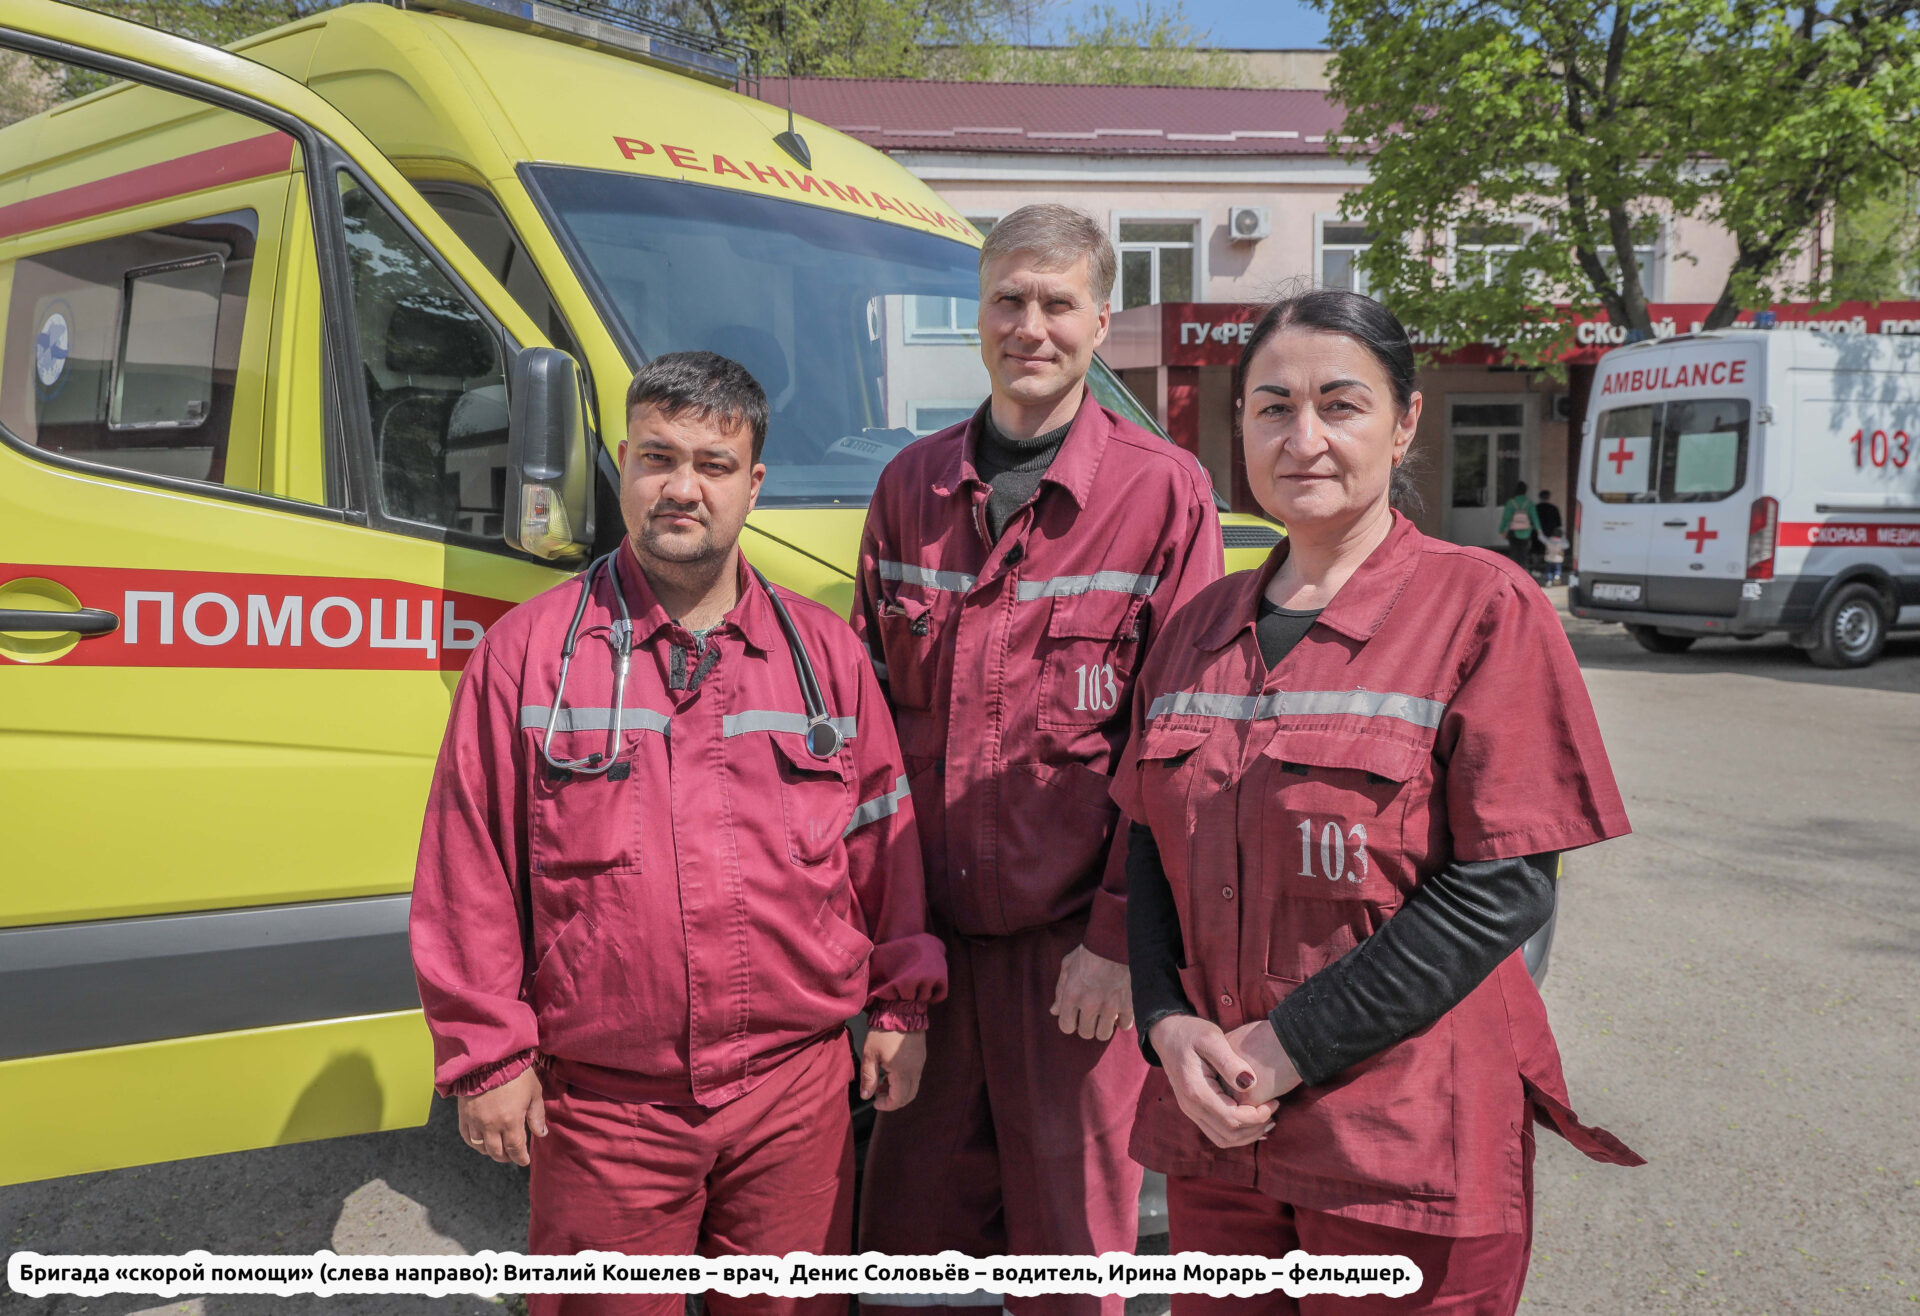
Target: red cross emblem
x=1619, y=457
x=1700, y=535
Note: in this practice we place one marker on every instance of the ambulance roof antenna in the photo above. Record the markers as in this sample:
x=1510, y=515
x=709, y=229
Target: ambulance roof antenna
x=790, y=141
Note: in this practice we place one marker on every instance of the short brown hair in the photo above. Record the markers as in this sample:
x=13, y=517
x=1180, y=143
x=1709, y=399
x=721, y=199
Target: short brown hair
x=1059, y=236
x=711, y=386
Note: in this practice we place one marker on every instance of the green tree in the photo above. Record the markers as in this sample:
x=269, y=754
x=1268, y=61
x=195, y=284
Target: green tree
x=1876, y=244
x=1148, y=46
x=1561, y=133
x=841, y=38
x=215, y=22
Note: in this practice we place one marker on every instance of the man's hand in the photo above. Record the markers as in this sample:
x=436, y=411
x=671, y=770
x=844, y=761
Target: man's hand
x=1273, y=1072
x=1094, y=996
x=1205, y=1073
x=498, y=1120
x=890, y=1065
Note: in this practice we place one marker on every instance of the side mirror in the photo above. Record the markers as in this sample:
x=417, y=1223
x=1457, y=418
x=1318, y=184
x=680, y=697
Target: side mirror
x=549, y=471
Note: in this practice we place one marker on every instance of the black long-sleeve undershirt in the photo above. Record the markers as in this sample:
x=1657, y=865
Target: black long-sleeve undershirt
x=1455, y=929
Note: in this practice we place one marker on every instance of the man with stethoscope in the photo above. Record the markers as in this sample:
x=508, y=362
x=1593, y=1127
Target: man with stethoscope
x=669, y=849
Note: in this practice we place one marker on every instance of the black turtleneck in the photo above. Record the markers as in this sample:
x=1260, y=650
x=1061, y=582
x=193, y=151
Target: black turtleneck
x=1012, y=467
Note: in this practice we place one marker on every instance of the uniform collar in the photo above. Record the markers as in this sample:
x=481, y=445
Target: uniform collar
x=1072, y=469
x=751, y=615
x=1357, y=611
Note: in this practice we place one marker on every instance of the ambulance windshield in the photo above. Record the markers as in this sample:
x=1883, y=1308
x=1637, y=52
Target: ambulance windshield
x=861, y=332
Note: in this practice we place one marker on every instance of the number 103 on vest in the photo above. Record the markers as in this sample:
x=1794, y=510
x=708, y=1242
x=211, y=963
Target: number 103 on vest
x=1099, y=692
x=1334, y=852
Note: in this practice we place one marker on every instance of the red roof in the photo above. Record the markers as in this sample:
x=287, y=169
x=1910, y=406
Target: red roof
x=897, y=114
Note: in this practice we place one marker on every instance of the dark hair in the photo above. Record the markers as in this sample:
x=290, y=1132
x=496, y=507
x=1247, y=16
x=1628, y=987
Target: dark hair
x=1544, y=495
x=1519, y=487
x=711, y=386
x=1373, y=326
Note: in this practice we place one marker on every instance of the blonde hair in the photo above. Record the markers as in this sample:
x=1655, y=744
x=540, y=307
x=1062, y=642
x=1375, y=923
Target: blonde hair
x=1059, y=236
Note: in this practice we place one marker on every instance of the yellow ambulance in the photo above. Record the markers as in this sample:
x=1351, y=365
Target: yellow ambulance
x=313, y=360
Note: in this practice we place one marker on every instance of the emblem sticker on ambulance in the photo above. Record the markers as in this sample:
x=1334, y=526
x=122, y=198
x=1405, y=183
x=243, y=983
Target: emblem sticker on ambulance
x=50, y=348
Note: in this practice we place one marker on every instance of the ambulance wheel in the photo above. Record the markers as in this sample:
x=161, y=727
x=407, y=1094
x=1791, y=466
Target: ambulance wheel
x=1852, y=628
x=1656, y=641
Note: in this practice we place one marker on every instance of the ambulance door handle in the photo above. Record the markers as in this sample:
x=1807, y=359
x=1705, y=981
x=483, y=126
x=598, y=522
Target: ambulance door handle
x=86, y=622
x=1677, y=525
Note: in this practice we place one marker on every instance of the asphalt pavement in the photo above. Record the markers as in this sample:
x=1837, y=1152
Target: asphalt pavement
x=1733, y=987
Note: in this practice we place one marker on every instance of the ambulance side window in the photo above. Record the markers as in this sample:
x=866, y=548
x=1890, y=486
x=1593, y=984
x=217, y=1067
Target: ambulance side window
x=1623, y=455
x=436, y=383
x=483, y=226
x=125, y=351
x=1703, y=450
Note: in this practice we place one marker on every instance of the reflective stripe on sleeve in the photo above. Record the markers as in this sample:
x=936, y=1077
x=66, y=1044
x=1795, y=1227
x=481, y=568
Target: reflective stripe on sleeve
x=770, y=719
x=883, y=807
x=1111, y=582
x=957, y=582
x=534, y=717
x=1300, y=703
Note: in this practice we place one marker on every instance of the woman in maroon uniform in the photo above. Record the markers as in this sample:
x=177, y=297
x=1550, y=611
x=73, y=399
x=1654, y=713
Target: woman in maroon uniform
x=1350, y=775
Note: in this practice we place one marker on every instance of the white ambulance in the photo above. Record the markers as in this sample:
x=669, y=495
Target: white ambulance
x=1749, y=482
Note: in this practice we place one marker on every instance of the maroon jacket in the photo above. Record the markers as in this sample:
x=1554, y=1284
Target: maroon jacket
x=1009, y=664
x=671, y=930
x=1433, y=713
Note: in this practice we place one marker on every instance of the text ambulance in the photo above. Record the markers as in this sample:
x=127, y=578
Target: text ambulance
x=313, y=358
x=1752, y=482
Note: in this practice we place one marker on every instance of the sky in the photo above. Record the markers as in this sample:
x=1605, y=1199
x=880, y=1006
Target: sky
x=1268, y=24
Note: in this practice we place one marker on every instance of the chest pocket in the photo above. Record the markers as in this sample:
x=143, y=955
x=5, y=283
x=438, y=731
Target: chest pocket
x=1093, y=643
x=816, y=797
x=581, y=824
x=1170, y=760
x=909, y=645
x=1337, y=821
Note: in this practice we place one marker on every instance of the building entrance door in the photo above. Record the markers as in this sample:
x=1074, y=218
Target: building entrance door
x=1486, y=444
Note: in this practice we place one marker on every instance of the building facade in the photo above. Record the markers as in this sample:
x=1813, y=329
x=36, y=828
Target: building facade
x=1217, y=201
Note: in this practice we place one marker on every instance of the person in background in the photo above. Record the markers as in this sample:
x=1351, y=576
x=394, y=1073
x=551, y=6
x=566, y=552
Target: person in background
x=650, y=892
x=1350, y=773
x=1547, y=516
x=1520, y=524
x=1015, y=571
x=1556, y=557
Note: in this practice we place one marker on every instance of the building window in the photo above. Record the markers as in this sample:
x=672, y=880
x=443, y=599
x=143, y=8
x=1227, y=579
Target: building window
x=984, y=223
x=1645, y=259
x=1480, y=255
x=1340, y=247
x=943, y=319
x=1157, y=260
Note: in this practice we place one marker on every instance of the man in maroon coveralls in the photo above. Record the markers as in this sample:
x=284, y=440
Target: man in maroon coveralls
x=640, y=950
x=1015, y=569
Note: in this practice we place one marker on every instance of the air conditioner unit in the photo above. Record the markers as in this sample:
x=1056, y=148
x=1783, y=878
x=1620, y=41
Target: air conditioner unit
x=1249, y=223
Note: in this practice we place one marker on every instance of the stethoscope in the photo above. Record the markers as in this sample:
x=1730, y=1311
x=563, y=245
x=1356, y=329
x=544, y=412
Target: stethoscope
x=824, y=739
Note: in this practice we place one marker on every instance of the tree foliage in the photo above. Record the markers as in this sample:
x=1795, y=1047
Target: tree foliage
x=1581, y=125
x=1146, y=46
x=1876, y=244
x=957, y=39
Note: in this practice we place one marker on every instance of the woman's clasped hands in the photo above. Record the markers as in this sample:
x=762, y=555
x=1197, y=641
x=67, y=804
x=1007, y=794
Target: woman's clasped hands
x=1229, y=1084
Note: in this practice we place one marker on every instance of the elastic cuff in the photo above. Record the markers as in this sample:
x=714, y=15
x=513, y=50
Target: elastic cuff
x=897, y=1016
x=1294, y=1042
x=1142, y=1027
x=488, y=1077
